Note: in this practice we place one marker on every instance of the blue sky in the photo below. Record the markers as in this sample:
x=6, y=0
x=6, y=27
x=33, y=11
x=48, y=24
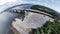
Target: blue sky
x=53, y=4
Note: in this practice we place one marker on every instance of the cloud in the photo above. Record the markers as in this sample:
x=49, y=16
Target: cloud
x=5, y=1
x=54, y=4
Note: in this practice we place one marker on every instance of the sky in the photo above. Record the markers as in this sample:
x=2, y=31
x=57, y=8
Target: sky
x=53, y=4
x=5, y=1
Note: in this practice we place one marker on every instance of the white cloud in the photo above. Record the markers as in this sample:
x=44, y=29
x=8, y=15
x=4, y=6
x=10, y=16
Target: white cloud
x=5, y=1
x=48, y=3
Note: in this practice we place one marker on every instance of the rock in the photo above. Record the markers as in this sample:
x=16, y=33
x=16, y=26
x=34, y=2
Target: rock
x=32, y=20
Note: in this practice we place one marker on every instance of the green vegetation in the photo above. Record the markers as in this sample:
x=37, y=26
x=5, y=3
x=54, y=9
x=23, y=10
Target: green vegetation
x=47, y=10
x=48, y=28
